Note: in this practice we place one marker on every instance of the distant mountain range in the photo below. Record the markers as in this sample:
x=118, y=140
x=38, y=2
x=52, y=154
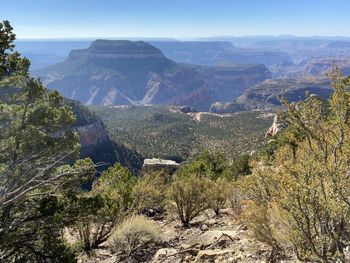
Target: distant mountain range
x=115, y=72
x=218, y=53
x=285, y=56
x=225, y=71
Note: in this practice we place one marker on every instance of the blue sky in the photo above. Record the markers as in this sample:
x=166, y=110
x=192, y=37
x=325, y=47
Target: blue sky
x=175, y=18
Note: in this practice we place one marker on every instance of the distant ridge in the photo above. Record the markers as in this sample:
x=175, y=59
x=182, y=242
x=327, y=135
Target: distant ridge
x=265, y=96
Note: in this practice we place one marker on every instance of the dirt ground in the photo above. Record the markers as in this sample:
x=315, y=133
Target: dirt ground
x=209, y=239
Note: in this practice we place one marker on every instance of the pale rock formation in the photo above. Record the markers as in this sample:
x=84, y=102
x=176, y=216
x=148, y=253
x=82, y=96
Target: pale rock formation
x=156, y=165
x=275, y=128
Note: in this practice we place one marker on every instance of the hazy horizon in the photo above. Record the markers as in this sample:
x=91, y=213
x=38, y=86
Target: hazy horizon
x=182, y=19
x=209, y=38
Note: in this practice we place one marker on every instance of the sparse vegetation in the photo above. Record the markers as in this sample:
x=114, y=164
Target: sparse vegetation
x=105, y=206
x=291, y=193
x=220, y=190
x=36, y=183
x=149, y=192
x=301, y=194
x=164, y=132
x=134, y=233
x=190, y=193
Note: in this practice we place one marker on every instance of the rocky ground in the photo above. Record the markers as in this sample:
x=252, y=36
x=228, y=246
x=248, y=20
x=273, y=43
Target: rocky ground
x=209, y=239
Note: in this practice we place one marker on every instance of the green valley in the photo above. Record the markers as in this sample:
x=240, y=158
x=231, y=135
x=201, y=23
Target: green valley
x=166, y=132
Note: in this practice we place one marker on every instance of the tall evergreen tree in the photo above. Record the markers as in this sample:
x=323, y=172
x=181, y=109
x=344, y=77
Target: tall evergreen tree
x=35, y=146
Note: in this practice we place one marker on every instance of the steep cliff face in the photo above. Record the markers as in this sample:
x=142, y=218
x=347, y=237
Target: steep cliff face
x=265, y=96
x=133, y=73
x=96, y=143
x=199, y=86
x=92, y=134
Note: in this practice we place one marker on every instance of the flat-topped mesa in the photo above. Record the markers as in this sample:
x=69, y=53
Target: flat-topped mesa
x=120, y=72
x=115, y=49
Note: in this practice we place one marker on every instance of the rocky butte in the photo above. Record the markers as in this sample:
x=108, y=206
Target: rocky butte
x=118, y=72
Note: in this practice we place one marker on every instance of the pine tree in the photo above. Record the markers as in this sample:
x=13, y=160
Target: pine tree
x=35, y=146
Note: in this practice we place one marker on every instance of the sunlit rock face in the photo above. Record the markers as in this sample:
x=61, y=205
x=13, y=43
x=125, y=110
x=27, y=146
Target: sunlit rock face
x=96, y=143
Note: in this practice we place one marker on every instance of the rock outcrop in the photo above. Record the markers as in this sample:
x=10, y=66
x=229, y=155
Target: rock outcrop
x=224, y=241
x=266, y=95
x=275, y=128
x=157, y=165
x=114, y=72
x=313, y=66
x=187, y=109
x=96, y=143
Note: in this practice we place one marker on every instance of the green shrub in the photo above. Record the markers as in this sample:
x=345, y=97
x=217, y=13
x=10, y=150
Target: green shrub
x=236, y=198
x=190, y=193
x=219, y=192
x=211, y=165
x=134, y=233
x=239, y=167
x=105, y=206
x=149, y=192
x=301, y=195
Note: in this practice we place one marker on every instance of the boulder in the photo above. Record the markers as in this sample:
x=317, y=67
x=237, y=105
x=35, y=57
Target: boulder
x=187, y=109
x=156, y=165
x=204, y=228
